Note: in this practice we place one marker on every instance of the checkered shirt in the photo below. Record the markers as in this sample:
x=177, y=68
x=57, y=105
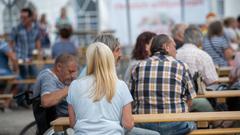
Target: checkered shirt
x=25, y=40
x=161, y=84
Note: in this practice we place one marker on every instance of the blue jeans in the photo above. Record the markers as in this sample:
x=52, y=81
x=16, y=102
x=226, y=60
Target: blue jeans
x=170, y=128
x=140, y=131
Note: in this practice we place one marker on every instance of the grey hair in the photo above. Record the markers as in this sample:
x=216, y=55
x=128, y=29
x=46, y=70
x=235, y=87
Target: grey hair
x=193, y=35
x=176, y=29
x=158, y=42
x=108, y=39
x=64, y=58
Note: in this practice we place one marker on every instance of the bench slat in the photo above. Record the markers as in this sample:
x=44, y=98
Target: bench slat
x=8, y=77
x=194, y=116
x=6, y=96
x=26, y=81
x=220, y=94
x=215, y=131
x=173, y=117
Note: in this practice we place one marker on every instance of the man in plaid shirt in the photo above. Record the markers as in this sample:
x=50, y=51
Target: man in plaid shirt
x=162, y=84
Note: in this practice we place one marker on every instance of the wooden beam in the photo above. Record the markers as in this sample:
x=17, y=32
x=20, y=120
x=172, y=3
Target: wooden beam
x=193, y=116
x=7, y=77
x=220, y=94
x=218, y=131
x=25, y=81
x=6, y=96
x=63, y=122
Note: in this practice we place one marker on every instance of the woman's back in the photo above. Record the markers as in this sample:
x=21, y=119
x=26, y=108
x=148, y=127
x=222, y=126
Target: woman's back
x=100, y=117
x=215, y=47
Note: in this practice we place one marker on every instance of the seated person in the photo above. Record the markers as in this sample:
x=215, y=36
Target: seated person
x=6, y=54
x=198, y=61
x=234, y=103
x=64, y=45
x=113, y=43
x=162, y=84
x=52, y=88
x=107, y=98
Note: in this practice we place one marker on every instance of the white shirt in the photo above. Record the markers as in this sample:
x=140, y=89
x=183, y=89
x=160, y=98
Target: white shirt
x=97, y=118
x=198, y=61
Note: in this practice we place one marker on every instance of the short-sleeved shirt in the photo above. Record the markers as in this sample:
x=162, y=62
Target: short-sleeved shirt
x=25, y=40
x=161, y=84
x=4, y=67
x=220, y=43
x=101, y=117
x=198, y=61
x=61, y=47
x=48, y=82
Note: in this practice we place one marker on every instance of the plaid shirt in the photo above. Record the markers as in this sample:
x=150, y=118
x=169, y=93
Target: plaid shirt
x=25, y=40
x=161, y=84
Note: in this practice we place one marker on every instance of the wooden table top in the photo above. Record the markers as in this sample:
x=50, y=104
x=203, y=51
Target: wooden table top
x=172, y=117
x=220, y=94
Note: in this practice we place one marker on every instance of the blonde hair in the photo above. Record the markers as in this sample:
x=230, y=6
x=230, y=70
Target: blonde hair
x=101, y=64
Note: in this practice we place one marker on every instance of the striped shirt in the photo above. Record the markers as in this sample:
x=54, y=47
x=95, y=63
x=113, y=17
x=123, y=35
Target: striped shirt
x=161, y=84
x=25, y=40
x=198, y=61
x=220, y=43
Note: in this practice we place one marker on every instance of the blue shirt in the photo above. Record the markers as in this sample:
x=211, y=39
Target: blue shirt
x=25, y=40
x=61, y=47
x=4, y=67
x=216, y=48
x=48, y=82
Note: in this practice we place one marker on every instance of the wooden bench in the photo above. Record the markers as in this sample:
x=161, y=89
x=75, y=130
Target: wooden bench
x=223, y=71
x=220, y=95
x=25, y=81
x=62, y=123
x=7, y=77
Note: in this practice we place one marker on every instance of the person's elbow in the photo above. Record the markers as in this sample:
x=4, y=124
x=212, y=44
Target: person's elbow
x=128, y=124
x=45, y=102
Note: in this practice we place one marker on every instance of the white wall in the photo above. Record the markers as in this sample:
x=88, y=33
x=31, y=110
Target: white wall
x=232, y=8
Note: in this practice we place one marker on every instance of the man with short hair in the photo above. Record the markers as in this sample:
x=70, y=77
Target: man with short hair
x=24, y=38
x=198, y=61
x=178, y=34
x=52, y=87
x=162, y=84
x=112, y=42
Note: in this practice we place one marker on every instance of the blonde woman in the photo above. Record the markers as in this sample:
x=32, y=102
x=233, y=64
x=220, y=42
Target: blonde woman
x=99, y=103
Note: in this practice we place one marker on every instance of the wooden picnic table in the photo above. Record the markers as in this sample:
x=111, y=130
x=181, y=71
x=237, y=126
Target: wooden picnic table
x=62, y=123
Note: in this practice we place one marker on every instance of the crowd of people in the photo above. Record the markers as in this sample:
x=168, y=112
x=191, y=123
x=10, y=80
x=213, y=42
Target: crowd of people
x=159, y=78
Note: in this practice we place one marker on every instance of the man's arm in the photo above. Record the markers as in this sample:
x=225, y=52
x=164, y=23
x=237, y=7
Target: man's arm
x=11, y=55
x=72, y=116
x=53, y=98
